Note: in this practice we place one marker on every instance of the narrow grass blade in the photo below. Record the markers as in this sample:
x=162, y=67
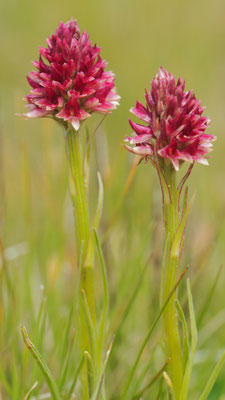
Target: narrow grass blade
x=213, y=377
x=194, y=335
x=130, y=303
x=105, y=294
x=66, y=364
x=124, y=394
x=186, y=346
x=209, y=297
x=42, y=365
x=139, y=394
x=97, y=391
x=75, y=379
x=67, y=331
x=104, y=273
x=160, y=389
x=89, y=324
x=32, y=389
x=90, y=373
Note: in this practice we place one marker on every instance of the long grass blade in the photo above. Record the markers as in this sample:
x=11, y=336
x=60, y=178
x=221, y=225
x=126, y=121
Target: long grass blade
x=194, y=336
x=66, y=364
x=75, y=379
x=213, y=377
x=150, y=383
x=124, y=394
x=105, y=295
x=42, y=365
x=129, y=304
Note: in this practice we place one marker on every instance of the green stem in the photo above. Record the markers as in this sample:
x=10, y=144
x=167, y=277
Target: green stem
x=83, y=235
x=81, y=216
x=171, y=219
x=80, y=198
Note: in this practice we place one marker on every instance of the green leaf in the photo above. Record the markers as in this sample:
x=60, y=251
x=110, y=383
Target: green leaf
x=90, y=373
x=186, y=347
x=212, y=379
x=42, y=365
x=194, y=335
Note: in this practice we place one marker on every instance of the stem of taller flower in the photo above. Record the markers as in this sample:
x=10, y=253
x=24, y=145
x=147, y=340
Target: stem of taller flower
x=82, y=226
x=171, y=220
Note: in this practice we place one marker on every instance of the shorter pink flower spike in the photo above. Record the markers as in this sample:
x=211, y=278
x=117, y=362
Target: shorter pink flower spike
x=72, y=82
x=175, y=127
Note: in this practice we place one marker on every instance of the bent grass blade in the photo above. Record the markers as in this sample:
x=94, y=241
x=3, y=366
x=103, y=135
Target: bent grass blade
x=194, y=336
x=42, y=365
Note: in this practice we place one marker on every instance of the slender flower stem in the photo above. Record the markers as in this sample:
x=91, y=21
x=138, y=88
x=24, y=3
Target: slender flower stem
x=81, y=215
x=80, y=199
x=171, y=218
x=83, y=238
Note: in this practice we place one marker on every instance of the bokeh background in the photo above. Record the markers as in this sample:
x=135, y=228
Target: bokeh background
x=136, y=36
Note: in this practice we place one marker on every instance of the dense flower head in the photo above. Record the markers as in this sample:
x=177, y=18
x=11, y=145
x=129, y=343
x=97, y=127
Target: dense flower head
x=174, y=127
x=70, y=82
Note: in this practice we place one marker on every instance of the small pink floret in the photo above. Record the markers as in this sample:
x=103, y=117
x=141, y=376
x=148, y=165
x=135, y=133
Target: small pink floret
x=71, y=83
x=174, y=126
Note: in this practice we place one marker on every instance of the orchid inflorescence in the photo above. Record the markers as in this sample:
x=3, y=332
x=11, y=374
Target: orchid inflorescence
x=175, y=127
x=72, y=83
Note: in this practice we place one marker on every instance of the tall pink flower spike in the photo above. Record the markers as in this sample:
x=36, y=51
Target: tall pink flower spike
x=72, y=82
x=174, y=128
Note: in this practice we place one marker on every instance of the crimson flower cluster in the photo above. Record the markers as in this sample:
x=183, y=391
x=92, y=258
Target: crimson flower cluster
x=71, y=83
x=174, y=127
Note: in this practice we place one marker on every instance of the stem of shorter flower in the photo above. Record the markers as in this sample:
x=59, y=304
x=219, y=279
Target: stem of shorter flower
x=82, y=225
x=169, y=276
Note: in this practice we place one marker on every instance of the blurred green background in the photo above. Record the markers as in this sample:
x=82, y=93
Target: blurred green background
x=136, y=36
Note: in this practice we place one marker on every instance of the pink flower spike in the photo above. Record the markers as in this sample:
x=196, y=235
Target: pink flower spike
x=70, y=82
x=174, y=123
